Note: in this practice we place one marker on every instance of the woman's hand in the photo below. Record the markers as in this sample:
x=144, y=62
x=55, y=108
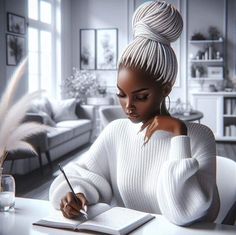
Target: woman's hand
x=70, y=207
x=165, y=123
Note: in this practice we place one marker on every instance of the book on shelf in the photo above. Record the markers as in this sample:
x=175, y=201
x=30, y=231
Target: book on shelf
x=230, y=106
x=230, y=130
x=101, y=218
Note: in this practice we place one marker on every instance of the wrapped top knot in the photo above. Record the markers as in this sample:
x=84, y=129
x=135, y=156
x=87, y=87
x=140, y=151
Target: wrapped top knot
x=155, y=25
x=157, y=21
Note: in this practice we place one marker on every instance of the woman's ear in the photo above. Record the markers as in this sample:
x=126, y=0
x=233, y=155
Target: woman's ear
x=166, y=90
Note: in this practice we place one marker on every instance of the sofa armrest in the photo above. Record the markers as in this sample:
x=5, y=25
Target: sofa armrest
x=86, y=112
x=34, y=117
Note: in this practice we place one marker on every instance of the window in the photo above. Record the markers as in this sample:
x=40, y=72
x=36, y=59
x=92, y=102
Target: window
x=44, y=46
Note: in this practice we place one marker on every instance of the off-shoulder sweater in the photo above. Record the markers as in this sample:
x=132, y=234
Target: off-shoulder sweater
x=170, y=175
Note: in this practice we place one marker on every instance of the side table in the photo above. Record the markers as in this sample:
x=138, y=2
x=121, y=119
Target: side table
x=193, y=116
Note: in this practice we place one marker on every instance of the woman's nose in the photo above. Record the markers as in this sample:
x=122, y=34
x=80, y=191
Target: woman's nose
x=129, y=103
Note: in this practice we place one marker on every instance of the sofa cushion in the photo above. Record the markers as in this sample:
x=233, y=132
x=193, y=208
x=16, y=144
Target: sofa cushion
x=78, y=126
x=58, y=136
x=64, y=110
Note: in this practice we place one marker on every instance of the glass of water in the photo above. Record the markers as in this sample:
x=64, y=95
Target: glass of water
x=7, y=192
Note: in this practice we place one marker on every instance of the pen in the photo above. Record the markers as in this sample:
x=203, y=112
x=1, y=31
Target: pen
x=85, y=207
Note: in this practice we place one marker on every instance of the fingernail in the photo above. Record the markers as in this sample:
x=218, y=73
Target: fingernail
x=85, y=208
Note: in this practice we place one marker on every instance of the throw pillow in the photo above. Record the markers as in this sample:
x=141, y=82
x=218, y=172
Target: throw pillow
x=41, y=105
x=64, y=110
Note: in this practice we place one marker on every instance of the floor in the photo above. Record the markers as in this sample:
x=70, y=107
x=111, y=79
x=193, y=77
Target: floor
x=34, y=185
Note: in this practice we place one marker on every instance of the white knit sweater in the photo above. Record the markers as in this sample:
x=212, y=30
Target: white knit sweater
x=171, y=175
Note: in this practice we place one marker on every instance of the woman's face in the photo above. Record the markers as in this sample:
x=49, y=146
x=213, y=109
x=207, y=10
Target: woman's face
x=140, y=96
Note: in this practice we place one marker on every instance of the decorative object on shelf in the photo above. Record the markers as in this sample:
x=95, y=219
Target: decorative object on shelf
x=180, y=108
x=198, y=36
x=106, y=49
x=214, y=33
x=87, y=49
x=81, y=84
x=13, y=132
x=215, y=72
x=15, y=47
x=199, y=71
x=15, y=23
x=212, y=88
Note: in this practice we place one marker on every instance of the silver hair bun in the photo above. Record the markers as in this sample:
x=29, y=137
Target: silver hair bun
x=155, y=25
x=158, y=21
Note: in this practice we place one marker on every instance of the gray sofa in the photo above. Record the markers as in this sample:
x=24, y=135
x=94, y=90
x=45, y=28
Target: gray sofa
x=71, y=127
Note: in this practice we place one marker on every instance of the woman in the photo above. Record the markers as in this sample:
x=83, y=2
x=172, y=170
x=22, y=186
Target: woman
x=151, y=161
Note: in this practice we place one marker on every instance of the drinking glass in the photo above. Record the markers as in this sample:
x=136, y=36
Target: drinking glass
x=7, y=192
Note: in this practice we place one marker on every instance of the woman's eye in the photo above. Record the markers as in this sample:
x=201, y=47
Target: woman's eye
x=120, y=95
x=141, y=97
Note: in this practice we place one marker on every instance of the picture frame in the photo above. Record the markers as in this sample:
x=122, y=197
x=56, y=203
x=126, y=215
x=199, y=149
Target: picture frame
x=87, y=49
x=16, y=23
x=15, y=49
x=106, y=49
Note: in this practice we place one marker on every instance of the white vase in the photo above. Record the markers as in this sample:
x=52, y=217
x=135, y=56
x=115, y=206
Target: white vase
x=7, y=191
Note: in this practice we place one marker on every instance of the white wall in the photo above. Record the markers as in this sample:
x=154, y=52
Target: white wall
x=2, y=46
x=66, y=38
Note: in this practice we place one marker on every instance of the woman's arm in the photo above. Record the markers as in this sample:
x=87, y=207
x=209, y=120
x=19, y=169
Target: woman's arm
x=91, y=176
x=187, y=189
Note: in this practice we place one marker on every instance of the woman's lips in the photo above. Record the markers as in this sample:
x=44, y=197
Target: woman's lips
x=132, y=116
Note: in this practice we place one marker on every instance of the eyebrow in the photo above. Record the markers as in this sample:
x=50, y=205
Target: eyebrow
x=136, y=91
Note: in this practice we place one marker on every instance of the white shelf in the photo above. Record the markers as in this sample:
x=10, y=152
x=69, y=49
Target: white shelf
x=206, y=41
x=207, y=61
x=229, y=115
x=205, y=78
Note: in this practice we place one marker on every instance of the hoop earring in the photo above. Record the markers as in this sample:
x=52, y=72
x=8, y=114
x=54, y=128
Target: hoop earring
x=168, y=104
x=160, y=107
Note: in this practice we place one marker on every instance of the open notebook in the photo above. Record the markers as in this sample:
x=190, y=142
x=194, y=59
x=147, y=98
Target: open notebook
x=101, y=218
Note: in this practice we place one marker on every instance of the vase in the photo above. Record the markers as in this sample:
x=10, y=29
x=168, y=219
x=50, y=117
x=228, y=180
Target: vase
x=7, y=192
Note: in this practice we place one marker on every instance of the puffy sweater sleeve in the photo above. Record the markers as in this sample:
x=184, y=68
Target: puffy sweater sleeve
x=187, y=189
x=91, y=176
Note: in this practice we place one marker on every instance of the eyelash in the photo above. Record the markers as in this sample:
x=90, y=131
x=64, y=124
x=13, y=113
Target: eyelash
x=141, y=98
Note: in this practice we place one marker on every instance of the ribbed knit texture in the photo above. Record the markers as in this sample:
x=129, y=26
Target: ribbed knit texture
x=174, y=176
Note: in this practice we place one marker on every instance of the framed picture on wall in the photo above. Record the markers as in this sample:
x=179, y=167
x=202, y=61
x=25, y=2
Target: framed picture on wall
x=106, y=49
x=15, y=23
x=87, y=49
x=15, y=49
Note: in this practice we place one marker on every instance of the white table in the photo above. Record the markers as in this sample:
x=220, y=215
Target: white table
x=27, y=211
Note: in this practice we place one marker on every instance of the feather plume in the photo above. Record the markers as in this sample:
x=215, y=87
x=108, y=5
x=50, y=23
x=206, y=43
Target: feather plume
x=7, y=97
x=12, y=131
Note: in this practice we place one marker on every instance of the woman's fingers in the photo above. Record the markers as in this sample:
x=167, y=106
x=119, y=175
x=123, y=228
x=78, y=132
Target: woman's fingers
x=70, y=206
x=83, y=200
x=71, y=211
x=75, y=204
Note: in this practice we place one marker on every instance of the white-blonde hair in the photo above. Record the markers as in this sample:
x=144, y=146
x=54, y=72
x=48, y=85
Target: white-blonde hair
x=155, y=25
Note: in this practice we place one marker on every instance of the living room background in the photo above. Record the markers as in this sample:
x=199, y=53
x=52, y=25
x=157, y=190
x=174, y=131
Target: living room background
x=77, y=14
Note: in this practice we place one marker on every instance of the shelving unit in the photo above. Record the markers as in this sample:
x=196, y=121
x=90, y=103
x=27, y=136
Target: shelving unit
x=206, y=59
x=219, y=109
x=229, y=117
